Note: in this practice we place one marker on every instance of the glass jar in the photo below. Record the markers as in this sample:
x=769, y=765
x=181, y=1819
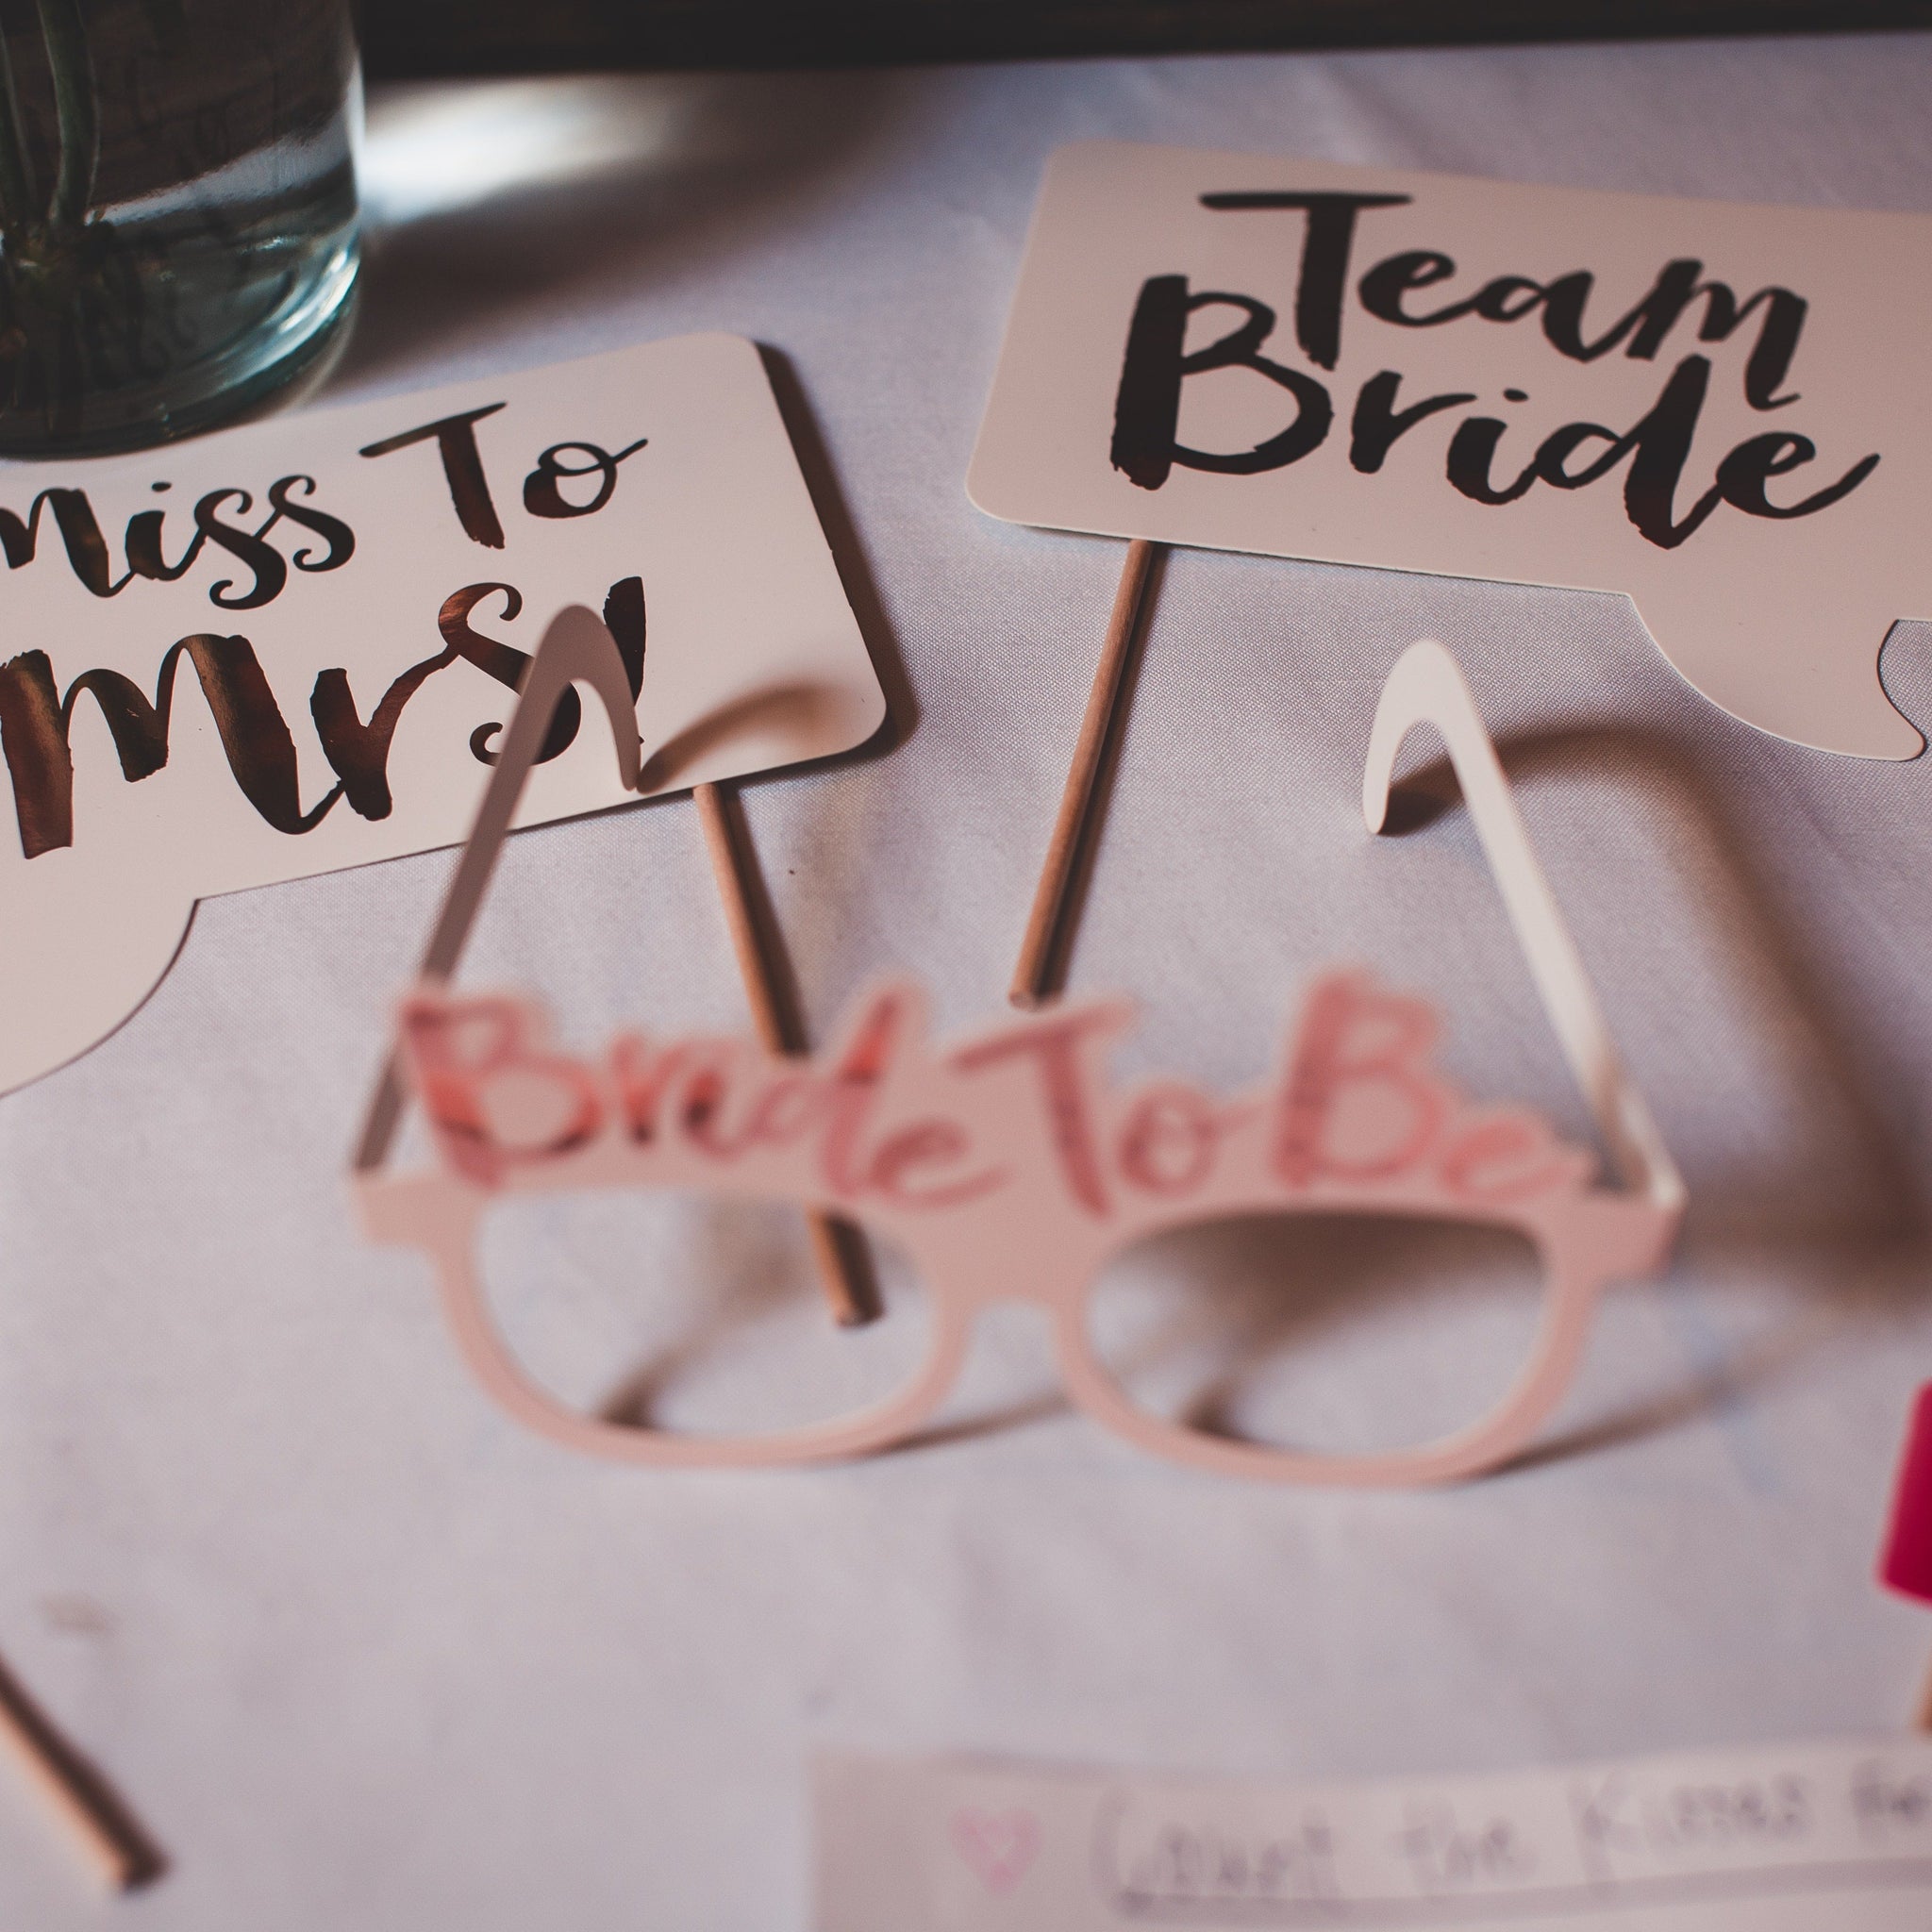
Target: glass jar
x=178, y=211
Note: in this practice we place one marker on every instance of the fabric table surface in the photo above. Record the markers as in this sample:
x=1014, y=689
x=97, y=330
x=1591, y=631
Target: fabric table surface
x=361, y=1654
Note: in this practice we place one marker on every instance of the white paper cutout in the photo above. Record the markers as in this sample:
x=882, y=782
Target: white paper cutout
x=1765, y=1838
x=1778, y=618
x=753, y=659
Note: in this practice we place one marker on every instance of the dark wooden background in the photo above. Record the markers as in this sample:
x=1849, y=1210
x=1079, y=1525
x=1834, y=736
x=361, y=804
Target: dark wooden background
x=417, y=39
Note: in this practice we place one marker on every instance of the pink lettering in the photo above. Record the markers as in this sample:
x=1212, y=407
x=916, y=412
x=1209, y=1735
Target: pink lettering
x=1054, y=1049
x=1168, y=1143
x=1509, y=1158
x=783, y=1107
x=929, y=1144
x=1358, y=1104
x=492, y=1101
x=860, y=1072
x=641, y=1079
x=786, y=1108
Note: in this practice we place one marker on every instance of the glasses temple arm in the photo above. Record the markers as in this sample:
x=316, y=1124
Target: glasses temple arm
x=575, y=648
x=1428, y=686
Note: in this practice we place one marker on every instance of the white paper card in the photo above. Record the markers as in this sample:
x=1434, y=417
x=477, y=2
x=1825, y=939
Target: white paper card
x=1721, y=410
x=1772, y=1838
x=288, y=648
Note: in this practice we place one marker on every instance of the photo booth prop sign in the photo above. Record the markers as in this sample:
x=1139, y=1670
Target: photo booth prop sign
x=1010, y=1165
x=1719, y=409
x=292, y=648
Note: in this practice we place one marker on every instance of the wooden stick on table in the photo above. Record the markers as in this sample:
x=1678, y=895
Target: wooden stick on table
x=837, y=1251
x=1033, y=973
x=100, y=1826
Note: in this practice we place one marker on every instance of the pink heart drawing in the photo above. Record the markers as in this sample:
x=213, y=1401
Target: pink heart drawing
x=999, y=1845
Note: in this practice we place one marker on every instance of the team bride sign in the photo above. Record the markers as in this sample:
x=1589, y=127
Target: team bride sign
x=1720, y=409
x=292, y=647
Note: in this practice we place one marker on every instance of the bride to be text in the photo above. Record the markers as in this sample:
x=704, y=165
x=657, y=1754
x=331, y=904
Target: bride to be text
x=1020, y=1129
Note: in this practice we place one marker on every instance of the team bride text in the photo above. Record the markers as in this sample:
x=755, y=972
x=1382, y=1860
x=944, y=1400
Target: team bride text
x=1653, y=451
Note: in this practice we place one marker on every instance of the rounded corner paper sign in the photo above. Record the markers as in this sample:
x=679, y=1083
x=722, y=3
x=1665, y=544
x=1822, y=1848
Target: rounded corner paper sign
x=289, y=647
x=1719, y=409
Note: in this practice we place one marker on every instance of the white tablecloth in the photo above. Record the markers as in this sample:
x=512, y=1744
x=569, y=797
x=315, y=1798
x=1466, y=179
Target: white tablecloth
x=365, y=1655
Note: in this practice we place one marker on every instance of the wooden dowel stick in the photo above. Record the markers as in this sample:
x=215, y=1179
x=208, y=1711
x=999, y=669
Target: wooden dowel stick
x=756, y=966
x=1035, y=964
x=105, y=1837
x=841, y=1271
x=1921, y=1712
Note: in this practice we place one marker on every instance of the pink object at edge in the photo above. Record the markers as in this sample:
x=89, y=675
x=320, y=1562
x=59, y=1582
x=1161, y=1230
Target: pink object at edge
x=1907, y=1563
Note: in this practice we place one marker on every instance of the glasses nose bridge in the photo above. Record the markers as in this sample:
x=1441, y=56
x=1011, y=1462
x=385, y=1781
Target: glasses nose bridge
x=1014, y=1286
x=1040, y=1274
x=1030, y=1288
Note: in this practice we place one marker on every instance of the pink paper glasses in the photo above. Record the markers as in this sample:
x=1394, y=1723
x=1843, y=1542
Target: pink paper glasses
x=1008, y=1166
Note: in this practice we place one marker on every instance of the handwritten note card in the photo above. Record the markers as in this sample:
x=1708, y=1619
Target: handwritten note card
x=291, y=647
x=1717, y=408
x=1833, y=1836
